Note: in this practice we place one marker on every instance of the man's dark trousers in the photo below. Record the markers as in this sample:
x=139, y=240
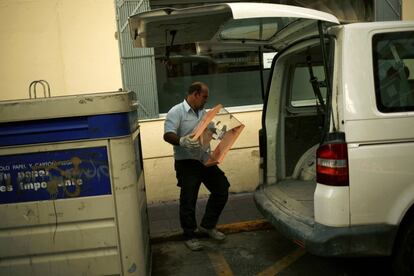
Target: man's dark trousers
x=190, y=174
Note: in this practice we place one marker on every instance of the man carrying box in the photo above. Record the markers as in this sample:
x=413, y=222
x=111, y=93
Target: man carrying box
x=189, y=157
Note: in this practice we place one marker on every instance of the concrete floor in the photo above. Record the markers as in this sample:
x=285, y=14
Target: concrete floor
x=164, y=217
x=264, y=252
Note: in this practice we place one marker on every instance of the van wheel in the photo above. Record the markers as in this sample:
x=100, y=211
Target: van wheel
x=403, y=263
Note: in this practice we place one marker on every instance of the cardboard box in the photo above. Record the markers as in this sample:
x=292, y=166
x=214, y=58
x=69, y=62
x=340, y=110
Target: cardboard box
x=217, y=132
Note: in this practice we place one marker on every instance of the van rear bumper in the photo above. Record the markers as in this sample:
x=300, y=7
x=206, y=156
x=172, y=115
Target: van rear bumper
x=322, y=240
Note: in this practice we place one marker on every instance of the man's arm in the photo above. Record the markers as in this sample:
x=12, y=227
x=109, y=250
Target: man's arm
x=172, y=138
x=186, y=141
x=171, y=125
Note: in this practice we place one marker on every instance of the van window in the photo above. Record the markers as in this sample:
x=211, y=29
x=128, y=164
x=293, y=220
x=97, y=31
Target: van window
x=302, y=94
x=393, y=57
x=261, y=29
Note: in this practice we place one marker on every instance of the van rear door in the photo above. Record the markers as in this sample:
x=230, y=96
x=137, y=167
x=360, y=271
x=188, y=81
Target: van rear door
x=258, y=24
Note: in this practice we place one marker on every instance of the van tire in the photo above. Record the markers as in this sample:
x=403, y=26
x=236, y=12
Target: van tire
x=403, y=261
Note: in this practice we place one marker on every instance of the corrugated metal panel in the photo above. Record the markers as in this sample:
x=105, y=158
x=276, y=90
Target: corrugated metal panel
x=142, y=82
x=388, y=10
x=138, y=66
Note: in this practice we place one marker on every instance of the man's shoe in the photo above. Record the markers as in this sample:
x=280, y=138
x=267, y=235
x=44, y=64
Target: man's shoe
x=213, y=233
x=194, y=244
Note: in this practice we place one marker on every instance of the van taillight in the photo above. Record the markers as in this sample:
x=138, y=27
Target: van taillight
x=332, y=164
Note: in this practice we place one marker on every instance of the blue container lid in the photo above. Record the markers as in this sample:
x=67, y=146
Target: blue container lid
x=91, y=116
x=67, y=106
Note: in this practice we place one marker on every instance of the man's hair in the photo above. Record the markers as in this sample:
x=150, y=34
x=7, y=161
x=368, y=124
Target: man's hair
x=196, y=87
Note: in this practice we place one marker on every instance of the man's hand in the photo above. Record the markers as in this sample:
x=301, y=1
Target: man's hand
x=188, y=142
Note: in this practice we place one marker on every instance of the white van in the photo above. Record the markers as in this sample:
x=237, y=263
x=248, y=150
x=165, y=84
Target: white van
x=337, y=138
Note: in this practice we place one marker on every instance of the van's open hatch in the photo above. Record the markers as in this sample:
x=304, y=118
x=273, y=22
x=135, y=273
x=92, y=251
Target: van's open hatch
x=244, y=23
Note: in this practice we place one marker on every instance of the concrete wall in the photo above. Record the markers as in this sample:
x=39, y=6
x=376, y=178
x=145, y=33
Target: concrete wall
x=69, y=43
x=408, y=10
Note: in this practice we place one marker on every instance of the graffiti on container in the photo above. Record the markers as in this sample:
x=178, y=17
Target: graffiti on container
x=54, y=175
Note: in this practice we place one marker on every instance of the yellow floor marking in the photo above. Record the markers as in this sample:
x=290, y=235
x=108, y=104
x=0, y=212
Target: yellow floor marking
x=283, y=263
x=219, y=264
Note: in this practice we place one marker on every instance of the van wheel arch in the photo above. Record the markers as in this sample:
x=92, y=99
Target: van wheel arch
x=403, y=251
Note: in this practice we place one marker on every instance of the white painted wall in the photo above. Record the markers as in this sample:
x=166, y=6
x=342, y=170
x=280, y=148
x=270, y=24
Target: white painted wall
x=408, y=10
x=69, y=43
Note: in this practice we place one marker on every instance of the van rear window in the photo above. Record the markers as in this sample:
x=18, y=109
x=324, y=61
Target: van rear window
x=302, y=94
x=393, y=58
